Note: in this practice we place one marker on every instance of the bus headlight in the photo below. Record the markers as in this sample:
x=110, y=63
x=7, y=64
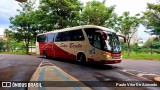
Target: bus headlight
x=108, y=55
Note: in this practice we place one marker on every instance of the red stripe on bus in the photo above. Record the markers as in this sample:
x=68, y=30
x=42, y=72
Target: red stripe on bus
x=60, y=53
x=116, y=55
x=55, y=51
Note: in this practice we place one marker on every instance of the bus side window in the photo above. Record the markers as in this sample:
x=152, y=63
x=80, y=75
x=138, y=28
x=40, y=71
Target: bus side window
x=90, y=37
x=95, y=38
x=67, y=36
x=97, y=41
x=76, y=35
x=55, y=35
x=50, y=37
x=41, y=38
x=59, y=37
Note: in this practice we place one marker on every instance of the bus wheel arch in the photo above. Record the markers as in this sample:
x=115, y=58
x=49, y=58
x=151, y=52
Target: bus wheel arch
x=81, y=57
x=45, y=54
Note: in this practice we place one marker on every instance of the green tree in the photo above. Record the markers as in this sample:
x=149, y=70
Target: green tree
x=2, y=45
x=11, y=43
x=8, y=34
x=58, y=14
x=127, y=25
x=22, y=24
x=153, y=46
x=96, y=13
x=151, y=18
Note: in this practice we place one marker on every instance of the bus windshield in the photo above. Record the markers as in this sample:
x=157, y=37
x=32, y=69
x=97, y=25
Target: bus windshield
x=112, y=43
x=108, y=41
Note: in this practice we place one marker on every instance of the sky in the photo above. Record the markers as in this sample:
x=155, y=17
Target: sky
x=8, y=8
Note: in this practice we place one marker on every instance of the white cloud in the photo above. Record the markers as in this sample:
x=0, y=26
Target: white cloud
x=133, y=6
x=8, y=8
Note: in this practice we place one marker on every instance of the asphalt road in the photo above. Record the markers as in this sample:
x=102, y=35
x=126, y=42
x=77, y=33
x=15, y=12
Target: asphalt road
x=21, y=68
x=17, y=68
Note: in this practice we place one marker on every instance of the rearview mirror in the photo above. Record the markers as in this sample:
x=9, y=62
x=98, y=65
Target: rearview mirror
x=124, y=38
x=103, y=34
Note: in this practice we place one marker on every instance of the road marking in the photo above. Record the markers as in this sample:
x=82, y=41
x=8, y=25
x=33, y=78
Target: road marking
x=41, y=63
x=42, y=74
x=126, y=71
x=45, y=63
x=66, y=79
x=143, y=72
x=41, y=78
x=148, y=74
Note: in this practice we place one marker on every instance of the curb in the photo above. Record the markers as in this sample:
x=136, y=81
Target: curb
x=47, y=71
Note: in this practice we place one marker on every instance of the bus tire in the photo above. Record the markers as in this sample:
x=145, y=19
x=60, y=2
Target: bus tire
x=45, y=55
x=82, y=58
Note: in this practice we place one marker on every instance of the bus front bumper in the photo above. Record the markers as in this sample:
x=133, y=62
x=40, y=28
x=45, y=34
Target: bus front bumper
x=113, y=61
x=108, y=61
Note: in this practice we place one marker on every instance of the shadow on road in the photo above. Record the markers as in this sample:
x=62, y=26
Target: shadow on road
x=90, y=65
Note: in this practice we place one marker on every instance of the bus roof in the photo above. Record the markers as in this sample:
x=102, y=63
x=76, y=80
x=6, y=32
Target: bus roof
x=79, y=27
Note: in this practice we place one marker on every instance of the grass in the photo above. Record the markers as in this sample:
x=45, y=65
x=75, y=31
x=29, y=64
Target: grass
x=21, y=53
x=141, y=56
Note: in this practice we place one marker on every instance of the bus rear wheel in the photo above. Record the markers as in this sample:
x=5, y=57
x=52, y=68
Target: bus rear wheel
x=45, y=54
x=81, y=57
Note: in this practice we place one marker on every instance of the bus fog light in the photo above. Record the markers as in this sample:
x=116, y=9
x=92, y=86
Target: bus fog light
x=108, y=56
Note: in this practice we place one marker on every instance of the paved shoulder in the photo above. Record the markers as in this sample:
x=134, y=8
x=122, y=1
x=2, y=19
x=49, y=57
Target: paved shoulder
x=52, y=77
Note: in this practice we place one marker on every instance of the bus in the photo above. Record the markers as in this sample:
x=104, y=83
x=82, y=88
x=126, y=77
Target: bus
x=86, y=43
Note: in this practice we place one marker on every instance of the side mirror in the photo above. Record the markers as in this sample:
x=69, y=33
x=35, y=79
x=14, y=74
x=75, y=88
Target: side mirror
x=103, y=34
x=123, y=38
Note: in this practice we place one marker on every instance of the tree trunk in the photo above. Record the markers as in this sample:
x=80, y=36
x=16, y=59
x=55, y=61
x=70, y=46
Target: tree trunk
x=28, y=40
x=128, y=45
x=27, y=45
x=27, y=48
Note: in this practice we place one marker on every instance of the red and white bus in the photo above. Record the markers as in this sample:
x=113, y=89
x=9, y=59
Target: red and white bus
x=87, y=43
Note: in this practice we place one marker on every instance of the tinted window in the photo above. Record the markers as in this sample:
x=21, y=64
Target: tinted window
x=41, y=38
x=75, y=35
x=50, y=37
x=95, y=38
x=59, y=37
